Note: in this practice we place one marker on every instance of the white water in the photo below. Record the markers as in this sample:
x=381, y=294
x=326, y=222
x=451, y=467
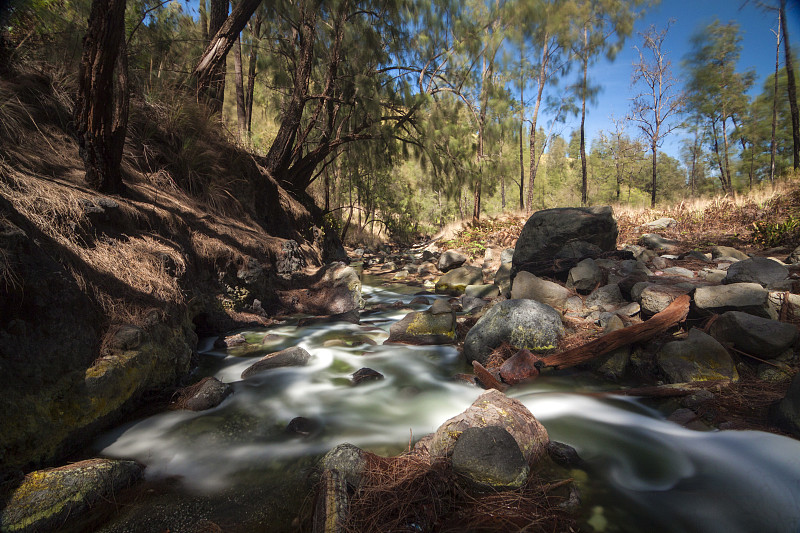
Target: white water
x=645, y=474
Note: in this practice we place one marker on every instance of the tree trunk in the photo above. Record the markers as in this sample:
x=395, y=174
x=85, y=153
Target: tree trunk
x=255, y=37
x=654, y=149
x=217, y=49
x=791, y=89
x=101, y=116
x=534, y=163
x=241, y=114
x=773, y=144
x=280, y=153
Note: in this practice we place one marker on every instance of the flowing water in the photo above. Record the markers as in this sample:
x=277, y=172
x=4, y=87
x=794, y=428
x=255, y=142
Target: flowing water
x=237, y=466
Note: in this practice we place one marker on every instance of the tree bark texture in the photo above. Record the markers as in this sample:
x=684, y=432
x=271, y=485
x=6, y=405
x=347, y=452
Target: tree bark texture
x=219, y=46
x=791, y=89
x=101, y=116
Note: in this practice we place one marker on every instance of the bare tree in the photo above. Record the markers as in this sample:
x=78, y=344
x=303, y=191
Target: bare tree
x=101, y=109
x=660, y=99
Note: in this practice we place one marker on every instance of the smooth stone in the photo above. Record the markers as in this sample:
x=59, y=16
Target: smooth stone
x=294, y=356
x=698, y=357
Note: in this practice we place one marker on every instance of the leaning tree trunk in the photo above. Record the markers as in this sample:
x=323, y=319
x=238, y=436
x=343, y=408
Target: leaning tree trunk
x=791, y=89
x=101, y=116
x=220, y=45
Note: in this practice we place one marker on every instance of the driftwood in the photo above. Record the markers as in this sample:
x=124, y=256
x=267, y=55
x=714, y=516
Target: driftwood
x=486, y=377
x=674, y=314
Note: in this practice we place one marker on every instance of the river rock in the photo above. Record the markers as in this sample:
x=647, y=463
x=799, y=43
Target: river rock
x=456, y=280
x=656, y=242
x=425, y=327
x=756, y=270
x=210, y=393
x=699, y=357
x=718, y=252
x=493, y=408
x=786, y=414
x=522, y=323
x=585, y=276
x=606, y=298
x=547, y=232
x=660, y=224
x=655, y=298
x=48, y=500
x=489, y=457
x=747, y=297
x=451, y=259
x=294, y=356
x=754, y=335
x=528, y=286
x=482, y=291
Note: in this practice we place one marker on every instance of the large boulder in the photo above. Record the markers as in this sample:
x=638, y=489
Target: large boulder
x=294, y=356
x=698, y=357
x=547, y=232
x=424, y=327
x=47, y=500
x=757, y=270
x=747, y=297
x=493, y=408
x=451, y=259
x=754, y=335
x=522, y=323
x=456, y=281
x=489, y=457
x=531, y=287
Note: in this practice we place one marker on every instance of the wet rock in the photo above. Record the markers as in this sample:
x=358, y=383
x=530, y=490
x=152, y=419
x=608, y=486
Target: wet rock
x=754, y=335
x=482, y=291
x=303, y=427
x=528, y=286
x=455, y=281
x=585, y=276
x=718, y=252
x=606, y=298
x=522, y=323
x=660, y=224
x=786, y=414
x=294, y=356
x=547, y=232
x=424, y=327
x=451, y=259
x=747, y=297
x=756, y=270
x=489, y=457
x=210, y=394
x=493, y=408
x=366, y=374
x=656, y=242
x=578, y=250
x=699, y=357
x=655, y=298
x=46, y=500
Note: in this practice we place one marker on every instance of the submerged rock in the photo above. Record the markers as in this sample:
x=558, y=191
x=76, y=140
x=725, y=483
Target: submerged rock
x=47, y=499
x=489, y=457
x=294, y=356
x=522, y=323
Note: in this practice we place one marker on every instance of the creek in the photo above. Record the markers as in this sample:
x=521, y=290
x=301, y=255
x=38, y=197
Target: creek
x=238, y=467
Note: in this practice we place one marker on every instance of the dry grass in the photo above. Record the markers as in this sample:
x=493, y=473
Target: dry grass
x=406, y=493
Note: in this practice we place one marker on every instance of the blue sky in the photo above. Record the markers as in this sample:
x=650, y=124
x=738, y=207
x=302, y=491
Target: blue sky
x=758, y=52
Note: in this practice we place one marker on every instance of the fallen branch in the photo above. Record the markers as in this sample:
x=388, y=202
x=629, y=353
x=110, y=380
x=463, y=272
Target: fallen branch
x=674, y=314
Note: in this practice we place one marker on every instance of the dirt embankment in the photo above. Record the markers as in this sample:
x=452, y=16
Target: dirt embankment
x=102, y=298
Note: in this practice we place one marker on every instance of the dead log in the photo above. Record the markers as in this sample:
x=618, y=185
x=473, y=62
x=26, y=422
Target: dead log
x=486, y=377
x=674, y=314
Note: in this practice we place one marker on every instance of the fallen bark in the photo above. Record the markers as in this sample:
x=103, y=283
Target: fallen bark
x=674, y=314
